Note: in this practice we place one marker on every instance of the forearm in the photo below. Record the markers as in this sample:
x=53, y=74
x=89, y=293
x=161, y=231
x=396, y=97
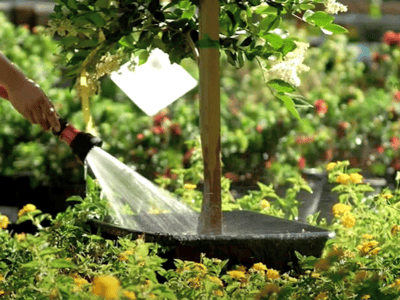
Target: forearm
x=10, y=76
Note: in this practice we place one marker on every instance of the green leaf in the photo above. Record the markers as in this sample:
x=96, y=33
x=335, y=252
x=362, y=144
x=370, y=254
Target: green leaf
x=334, y=28
x=127, y=41
x=72, y=4
x=103, y=3
x=288, y=46
x=31, y=264
x=289, y=104
x=255, y=2
x=75, y=198
x=143, y=56
x=281, y=86
x=270, y=23
x=68, y=41
x=307, y=6
x=95, y=19
x=274, y=40
x=270, y=10
x=320, y=18
x=62, y=263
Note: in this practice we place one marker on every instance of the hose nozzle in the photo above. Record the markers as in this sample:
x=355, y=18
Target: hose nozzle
x=80, y=142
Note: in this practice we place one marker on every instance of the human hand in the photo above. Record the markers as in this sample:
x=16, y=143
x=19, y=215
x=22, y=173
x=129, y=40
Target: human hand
x=31, y=102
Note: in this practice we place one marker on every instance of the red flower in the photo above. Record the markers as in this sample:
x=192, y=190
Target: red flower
x=140, y=136
x=268, y=164
x=301, y=163
x=391, y=38
x=159, y=118
x=395, y=142
x=168, y=174
x=321, y=107
x=380, y=149
x=232, y=176
x=304, y=140
x=259, y=128
x=176, y=129
x=150, y=152
x=188, y=155
x=376, y=57
x=158, y=130
x=396, y=163
x=397, y=96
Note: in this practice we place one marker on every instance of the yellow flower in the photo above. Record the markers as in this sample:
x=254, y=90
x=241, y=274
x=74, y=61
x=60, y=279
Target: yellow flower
x=272, y=274
x=20, y=237
x=106, y=286
x=2, y=292
x=189, y=186
x=4, y=221
x=321, y=296
x=343, y=178
x=395, y=229
x=356, y=178
x=200, y=267
x=349, y=254
x=329, y=167
x=218, y=293
x=365, y=297
x=396, y=283
x=367, y=236
x=129, y=295
x=375, y=251
x=194, y=282
x=259, y=267
x=315, y=275
x=236, y=274
x=348, y=220
x=216, y=280
x=265, y=204
x=124, y=255
x=366, y=247
x=79, y=282
x=2, y=278
x=387, y=196
x=340, y=209
x=25, y=209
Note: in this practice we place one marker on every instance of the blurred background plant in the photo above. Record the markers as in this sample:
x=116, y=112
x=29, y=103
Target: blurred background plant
x=349, y=107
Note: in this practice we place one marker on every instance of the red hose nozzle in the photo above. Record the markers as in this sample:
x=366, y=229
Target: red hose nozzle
x=80, y=142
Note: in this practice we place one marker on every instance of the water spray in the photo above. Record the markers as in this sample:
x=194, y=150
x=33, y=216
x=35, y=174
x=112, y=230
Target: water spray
x=80, y=142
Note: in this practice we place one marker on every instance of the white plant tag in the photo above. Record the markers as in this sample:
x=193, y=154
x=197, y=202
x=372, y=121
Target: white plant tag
x=155, y=84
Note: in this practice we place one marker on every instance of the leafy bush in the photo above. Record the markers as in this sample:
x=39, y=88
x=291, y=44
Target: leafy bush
x=65, y=260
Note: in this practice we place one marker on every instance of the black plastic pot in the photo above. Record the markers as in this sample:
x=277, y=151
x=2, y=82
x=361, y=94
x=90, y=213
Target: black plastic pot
x=248, y=238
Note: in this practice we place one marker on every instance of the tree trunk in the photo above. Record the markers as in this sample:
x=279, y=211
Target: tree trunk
x=210, y=221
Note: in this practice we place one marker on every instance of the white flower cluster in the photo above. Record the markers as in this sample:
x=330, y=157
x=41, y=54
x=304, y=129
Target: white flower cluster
x=62, y=27
x=292, y=64
x=108, y=64
x=333, y=7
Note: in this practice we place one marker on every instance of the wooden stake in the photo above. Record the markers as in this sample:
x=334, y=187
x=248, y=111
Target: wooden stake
x=210, y=221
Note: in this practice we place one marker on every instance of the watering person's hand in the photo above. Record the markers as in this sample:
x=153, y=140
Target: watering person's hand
x=27, y=97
